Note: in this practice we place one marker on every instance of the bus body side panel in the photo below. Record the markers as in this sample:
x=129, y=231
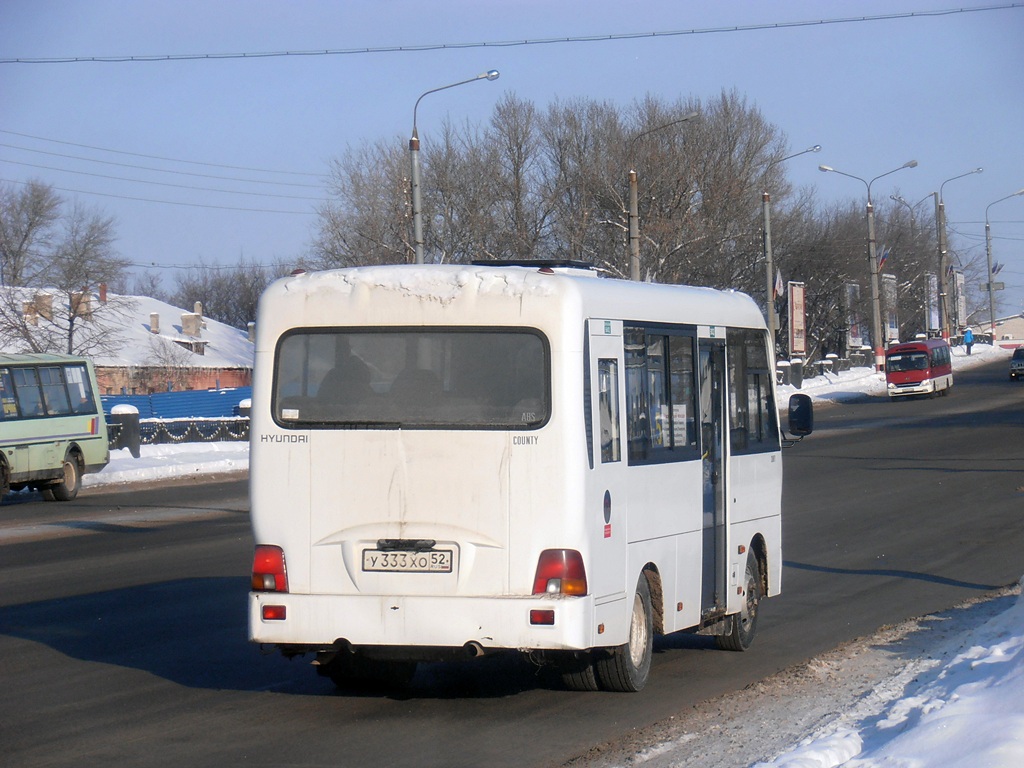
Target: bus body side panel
x=665, y=531
x=606, y=512
x=755, y=493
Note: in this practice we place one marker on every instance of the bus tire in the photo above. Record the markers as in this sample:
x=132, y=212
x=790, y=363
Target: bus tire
x=5, y=477
x=70, y=483
x=742, y=626
x=627, y=667
x=577, y=671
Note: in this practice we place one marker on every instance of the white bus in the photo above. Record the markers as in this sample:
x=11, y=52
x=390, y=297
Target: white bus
x=452, y=460
x=52, y=429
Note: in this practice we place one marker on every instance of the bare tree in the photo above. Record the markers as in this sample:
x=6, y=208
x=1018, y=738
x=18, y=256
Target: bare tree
x=368, y=220
x=229, y=295
x=145, y=284
x=523, y=212
x=56, y=305
x=28, y=229
x=460, y=198
x=582, y=144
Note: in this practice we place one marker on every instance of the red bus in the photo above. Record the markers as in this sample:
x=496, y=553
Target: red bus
x=918, y=368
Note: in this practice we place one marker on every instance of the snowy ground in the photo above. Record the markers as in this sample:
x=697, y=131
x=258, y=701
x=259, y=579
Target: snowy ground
x=944, y=690
x=163, y=462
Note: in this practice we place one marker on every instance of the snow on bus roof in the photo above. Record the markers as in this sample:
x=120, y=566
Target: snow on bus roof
x=443, y=283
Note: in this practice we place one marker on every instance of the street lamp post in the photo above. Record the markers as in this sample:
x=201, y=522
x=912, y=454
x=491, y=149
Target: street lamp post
x=634, y=204
x=766, y=230
x=876, y=308
x=943, y=243
x=988, y=256
x=414, y=153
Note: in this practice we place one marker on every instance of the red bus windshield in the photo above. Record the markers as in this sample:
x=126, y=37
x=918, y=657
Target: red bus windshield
x=899, y=362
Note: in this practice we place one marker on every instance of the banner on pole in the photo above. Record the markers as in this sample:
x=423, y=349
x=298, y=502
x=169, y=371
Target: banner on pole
x=855, y=334
x=797, y=320
x=933, y=301
x=892, y=322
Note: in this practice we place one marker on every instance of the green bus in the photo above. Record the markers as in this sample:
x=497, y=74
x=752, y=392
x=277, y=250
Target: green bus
x=52, y=429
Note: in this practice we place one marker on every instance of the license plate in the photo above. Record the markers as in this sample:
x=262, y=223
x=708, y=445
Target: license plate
x=432, y=561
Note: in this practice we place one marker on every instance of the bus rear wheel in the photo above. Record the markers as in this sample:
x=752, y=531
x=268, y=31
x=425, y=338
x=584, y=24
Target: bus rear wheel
x=628, y=666
x=70, y=482
x=577, y=671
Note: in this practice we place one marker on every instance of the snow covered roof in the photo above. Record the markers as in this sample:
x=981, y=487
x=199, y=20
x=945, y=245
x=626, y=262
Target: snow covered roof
x=224, y=346
x=137, y=343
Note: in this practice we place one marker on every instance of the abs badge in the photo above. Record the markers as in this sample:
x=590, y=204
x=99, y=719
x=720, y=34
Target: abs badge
x=607, y=514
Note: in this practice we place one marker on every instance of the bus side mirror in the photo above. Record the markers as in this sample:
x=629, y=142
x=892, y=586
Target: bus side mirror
x=801, y=416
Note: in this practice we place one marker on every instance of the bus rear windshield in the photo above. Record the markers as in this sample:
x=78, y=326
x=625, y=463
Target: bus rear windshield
x=412, y=378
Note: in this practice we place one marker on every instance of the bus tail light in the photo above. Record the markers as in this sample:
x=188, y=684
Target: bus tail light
x=560, y=572
x=275, y=612
x=269, y=573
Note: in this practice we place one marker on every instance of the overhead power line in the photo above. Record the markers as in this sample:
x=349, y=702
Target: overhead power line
x=503, y=43
x=167, y=202
x=155, y=157
x=157, y=170
x=162, y=183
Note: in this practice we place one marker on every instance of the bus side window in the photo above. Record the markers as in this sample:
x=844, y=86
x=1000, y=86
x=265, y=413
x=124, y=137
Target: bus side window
x=28, y=393
x=753, y=423
x=79, y=389
x=608, y=409
x=54, y=394
x=660, y=396
x=8, y=405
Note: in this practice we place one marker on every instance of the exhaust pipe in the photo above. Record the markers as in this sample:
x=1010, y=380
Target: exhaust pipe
x=473, y=650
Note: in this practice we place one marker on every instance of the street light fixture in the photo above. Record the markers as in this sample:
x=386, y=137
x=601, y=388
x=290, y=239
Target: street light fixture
x=634, y=205
x=876, y=309
x=943, y=243
x=988, y=255
x=414, y=152
x=766, y=230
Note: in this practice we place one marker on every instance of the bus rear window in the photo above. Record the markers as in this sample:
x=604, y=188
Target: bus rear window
x=412, y=379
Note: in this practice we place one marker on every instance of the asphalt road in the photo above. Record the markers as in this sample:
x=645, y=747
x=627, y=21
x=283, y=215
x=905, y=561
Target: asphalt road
x=123, y=614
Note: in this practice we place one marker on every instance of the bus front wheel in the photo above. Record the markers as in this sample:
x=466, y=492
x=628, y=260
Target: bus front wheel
x=628, y=666
x=70, y=482
x=743, y=625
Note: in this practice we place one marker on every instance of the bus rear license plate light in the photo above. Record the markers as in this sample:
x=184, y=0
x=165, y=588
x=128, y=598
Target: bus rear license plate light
x=274, y=612
x=544, y=618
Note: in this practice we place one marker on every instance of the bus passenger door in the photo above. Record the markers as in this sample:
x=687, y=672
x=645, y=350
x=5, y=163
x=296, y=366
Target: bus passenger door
x=711, y=390
x=606, y=488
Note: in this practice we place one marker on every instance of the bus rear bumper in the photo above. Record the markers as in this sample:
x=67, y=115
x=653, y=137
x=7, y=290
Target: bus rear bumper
x=493, y=623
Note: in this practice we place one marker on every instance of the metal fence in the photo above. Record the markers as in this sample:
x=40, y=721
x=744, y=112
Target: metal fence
x=161, y=431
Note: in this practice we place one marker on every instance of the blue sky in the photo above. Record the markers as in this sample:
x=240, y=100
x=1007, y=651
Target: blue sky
x=943, y=89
